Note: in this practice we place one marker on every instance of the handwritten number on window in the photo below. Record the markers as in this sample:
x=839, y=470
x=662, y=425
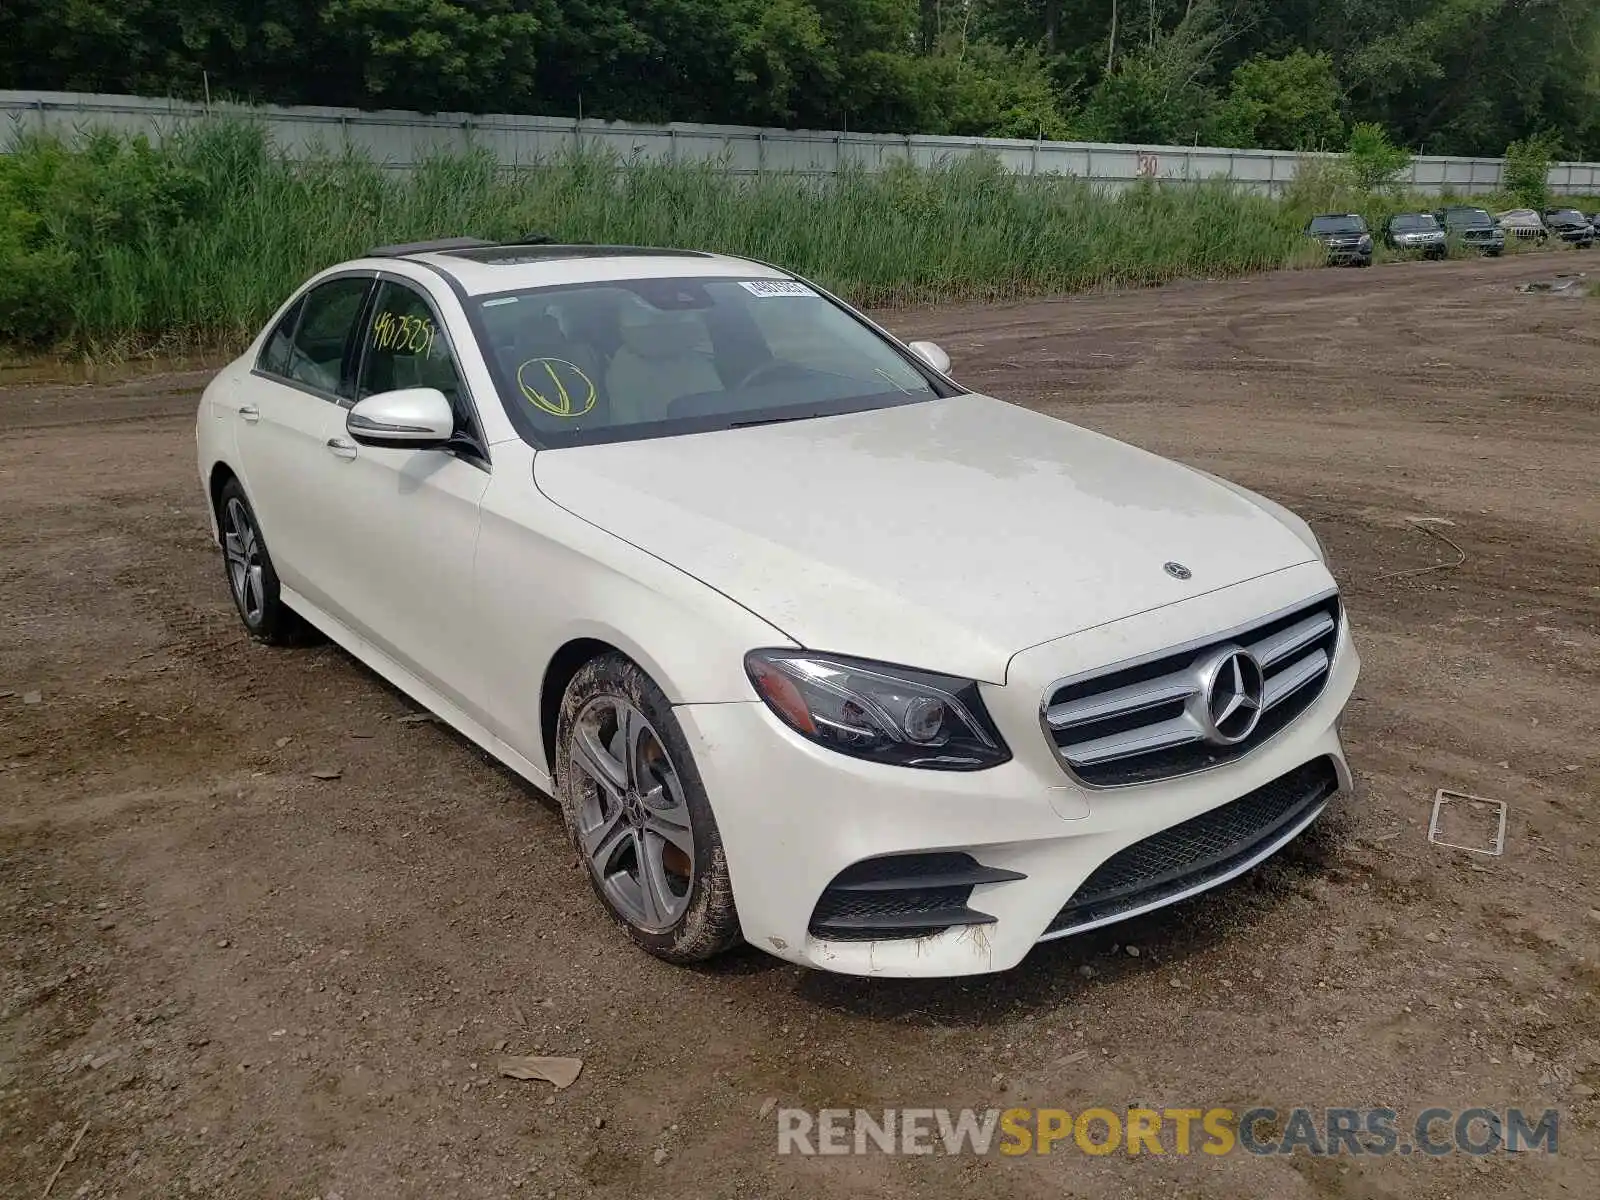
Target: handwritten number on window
x=403, y=334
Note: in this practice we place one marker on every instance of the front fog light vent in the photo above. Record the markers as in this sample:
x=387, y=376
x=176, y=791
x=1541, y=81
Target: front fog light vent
x=903, y=896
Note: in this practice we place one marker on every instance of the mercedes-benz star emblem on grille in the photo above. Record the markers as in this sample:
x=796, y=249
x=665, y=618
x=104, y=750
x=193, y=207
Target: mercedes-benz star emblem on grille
x=1230, y=696
x=1177, y=570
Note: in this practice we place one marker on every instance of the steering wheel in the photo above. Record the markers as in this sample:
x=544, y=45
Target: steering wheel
x=772, y=370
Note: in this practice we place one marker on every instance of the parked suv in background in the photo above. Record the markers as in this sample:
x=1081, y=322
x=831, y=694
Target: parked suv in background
x=1345, y=236
x=1523, y=223
x=1570, y=225
x=1417, y=233
x=1473, y=228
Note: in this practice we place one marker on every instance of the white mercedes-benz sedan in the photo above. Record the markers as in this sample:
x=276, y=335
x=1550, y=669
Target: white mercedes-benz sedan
x=815, y=647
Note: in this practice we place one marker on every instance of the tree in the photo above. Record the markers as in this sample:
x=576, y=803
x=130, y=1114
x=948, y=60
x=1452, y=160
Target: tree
x=1372, y=159
x=1160, y=94
x=1445, y=76
x=981, y=90
x=1289, y=103
x=434, y=54
x=780, y=51
x=1527, y=174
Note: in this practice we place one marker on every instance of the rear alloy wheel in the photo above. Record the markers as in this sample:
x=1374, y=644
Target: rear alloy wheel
x=251, y=579
x=637, y=814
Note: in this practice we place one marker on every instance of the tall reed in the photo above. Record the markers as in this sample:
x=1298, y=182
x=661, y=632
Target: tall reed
x=117, y=246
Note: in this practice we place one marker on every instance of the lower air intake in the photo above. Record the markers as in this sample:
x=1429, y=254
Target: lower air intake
x=903, y=896
x=1200, y=853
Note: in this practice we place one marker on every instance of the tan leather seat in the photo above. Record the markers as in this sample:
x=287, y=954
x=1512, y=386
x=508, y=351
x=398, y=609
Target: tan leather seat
x=664, y=355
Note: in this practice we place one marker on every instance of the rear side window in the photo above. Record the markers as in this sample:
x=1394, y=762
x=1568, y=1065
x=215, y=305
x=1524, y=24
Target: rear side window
x=321, y=342
x=280, y=342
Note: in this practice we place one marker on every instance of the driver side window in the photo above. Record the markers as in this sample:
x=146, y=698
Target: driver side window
x=405, y=348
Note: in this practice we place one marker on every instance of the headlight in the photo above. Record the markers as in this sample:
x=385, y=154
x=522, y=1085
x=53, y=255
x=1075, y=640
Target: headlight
x=879, y=712
x=1366, y=241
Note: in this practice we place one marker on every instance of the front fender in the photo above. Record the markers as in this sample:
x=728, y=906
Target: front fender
x=544, y=577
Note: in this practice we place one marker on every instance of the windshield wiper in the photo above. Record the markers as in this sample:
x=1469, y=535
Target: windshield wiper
x=772, y=420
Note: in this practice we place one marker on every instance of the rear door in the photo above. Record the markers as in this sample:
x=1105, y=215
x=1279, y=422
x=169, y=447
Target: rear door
x=404, y=522
x=305, y=373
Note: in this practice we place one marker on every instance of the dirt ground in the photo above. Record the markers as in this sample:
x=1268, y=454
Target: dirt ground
x=251, y=982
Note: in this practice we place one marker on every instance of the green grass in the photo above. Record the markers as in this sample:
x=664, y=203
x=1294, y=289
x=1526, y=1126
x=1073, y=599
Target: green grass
x=111, y=247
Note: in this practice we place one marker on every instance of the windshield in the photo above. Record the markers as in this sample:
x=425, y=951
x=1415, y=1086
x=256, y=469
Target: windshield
x=1344, y=223
x=1414, y=222
x=651, y=357
x=1469, y=218
x=1567, y=214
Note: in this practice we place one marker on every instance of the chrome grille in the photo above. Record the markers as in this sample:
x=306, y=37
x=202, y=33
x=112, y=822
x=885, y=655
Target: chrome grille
x=1157, y=718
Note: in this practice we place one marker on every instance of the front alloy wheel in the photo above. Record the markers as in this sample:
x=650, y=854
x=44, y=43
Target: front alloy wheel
x=637, y=813
x=633, y=823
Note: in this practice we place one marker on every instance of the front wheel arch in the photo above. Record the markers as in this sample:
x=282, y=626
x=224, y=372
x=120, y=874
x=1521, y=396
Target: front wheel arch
x=564, y=664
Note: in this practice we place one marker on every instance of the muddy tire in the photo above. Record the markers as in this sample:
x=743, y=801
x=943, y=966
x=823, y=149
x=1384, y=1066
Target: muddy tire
x=638, y=816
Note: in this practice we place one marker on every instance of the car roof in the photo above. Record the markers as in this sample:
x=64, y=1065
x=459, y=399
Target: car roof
x=485, y=268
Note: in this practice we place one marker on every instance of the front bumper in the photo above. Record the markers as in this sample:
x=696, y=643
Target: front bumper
x=1342, y=255
x=793, y=816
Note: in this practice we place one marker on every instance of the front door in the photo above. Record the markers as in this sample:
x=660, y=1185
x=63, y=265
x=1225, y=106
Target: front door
x=406, y=521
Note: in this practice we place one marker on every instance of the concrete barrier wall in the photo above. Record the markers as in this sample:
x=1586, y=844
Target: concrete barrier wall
x=401, y=139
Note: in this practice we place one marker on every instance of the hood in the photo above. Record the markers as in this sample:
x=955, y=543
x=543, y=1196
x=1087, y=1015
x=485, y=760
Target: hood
x=946, y=535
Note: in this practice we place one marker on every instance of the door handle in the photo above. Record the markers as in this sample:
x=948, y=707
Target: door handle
x=340, y=448
x=250, y=412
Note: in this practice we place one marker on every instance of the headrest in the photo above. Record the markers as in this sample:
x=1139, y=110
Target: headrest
x=657, y=334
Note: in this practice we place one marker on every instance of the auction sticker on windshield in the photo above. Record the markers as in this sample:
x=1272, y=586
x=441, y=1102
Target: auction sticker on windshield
x=775, y=287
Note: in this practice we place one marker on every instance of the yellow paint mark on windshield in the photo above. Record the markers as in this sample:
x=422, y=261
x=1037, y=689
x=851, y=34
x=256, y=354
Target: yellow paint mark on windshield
x=555, y=386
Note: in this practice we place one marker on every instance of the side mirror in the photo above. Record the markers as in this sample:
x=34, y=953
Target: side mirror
x=416, y=418
x=930, y=353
